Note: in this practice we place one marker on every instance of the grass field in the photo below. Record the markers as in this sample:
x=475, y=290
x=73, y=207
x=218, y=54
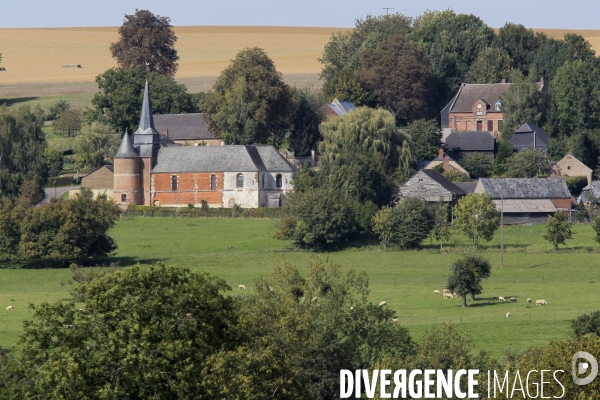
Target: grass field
x=569, y=279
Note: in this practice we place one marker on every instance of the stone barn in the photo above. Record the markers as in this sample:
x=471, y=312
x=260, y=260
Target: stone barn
x=431, y=186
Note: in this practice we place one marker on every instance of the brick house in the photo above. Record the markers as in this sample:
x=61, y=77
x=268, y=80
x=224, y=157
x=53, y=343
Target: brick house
x=570, y=166
x=186, y=129
x=447, y=163
x=155, y=172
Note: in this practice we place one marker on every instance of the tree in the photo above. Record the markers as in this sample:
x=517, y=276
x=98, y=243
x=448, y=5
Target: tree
x=505, y=150
x=54, y=161
x=407, y=225
x=552, y=54
x=96, y=144
x=466, y=275
x=478, y=165
x=491, y=66
x=69, y=121
x=442, y=229
x=399, y=77
x=426, y=136
x=524, y=102
x=308, y=114
x=527, y=163
x=249, y=103
x=119, y=102
x=55, y=109
x=144, y=334
x=147, y=41
x=383, y=224
x=345, y=86
x=22, y=147
x=456, y=176
x=476, y=216
x=586, y=323
x=558, y=229
x=519, y=42
x=585, y=146
x=596, y=227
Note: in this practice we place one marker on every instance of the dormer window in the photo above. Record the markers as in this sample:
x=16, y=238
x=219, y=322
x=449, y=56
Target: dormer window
x=498, y=106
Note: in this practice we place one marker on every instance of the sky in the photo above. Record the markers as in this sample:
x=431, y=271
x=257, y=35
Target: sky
x=572, y=14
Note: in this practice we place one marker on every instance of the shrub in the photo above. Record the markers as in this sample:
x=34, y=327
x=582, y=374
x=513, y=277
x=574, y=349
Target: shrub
x=576, y=184
x=586, y=323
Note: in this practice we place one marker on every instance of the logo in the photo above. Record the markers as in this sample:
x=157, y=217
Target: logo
x=580, y=368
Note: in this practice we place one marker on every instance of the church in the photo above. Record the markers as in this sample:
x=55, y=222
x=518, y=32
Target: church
x=152, y=170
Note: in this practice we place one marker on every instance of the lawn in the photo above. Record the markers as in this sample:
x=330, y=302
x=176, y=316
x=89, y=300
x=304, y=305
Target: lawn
x=240, y=250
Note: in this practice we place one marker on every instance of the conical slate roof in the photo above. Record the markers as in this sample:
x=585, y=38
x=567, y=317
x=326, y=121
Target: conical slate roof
x=146, y=120
x=126, y=149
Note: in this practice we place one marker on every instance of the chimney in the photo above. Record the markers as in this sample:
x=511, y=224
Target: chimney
x=503, y=80
x=441, y=154
x=446, y=163
x=165, y=132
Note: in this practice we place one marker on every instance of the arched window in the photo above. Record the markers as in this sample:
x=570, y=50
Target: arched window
x=278, y=181
x=213, y=182
x=239, y=181
x=174, y=183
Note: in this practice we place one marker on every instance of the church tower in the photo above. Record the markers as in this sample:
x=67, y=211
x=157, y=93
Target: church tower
x=127, y=177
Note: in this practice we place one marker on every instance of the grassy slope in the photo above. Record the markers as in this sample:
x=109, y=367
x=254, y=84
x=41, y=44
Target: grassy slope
x=567, y=279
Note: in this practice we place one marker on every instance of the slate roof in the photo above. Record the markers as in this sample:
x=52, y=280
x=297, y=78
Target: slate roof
x=590, y=192
x=525, y=188
x=469, y=93
x=524, y=136
x=146, y=119
x=471, y=141
x=220, y=159
x=467, y=187
x=183, y=126
x=126, y=149
x=443, y=181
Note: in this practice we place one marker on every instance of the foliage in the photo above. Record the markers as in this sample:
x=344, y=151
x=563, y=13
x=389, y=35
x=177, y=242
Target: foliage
x=119, y=102
x=519, y=42
x=249, y=103
x=307, y=115
x=466, y=275
x=344, y=50
x=476, y=216
x=491, y=66
x=576, y=184
x=147, y=41
x=22, y=147
x=586, y=147
x=399, y=77
x=478, y=165
x=553, y=54
x=586, y=323
x=384, y=226
x=456, y=176
x=407, y=225
x=96, y=144
x=140, y=333
x=527, y=163
x=55, y=109
x=54, y=161
x=596, y=226
x=524, y=102
x=558, y=147
x=505, y=150
x=345, y=86
x=426, y=136
x=558, y=229
x=442, y=230
x=68, y=121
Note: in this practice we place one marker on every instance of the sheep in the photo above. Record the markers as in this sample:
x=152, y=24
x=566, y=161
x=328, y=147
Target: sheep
x=513, y=299
x=242, y=287
x=448, y=296
x=454, y=296
x=541, y=302
x=508, y=315
x=395, y=320
x=446, y=291
x=529, y=300
x=383, y=303
x=500, y=298
x=9, y=308
x=436, y=292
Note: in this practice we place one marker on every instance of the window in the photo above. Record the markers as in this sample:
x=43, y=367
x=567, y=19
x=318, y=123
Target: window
x=568, y=167
x=491, y=126
x=123, y=198
x=213, y=182
x=278, y=181
x=239, y=181
x=498, y=106
x=174, y=183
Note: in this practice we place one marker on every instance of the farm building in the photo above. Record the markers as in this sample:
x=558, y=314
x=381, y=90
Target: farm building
x=590, y=193
x=529, y=136
x=150, y=171
x=570, y=166
x=526, y=200
x=447, y=163
x=186, y=129
x=431, y=186
x=102, y=178
x=463, y=143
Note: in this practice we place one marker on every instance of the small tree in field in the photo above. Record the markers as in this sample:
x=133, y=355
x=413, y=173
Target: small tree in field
x=383, y=225
x=558, y=229
x=441, y=230
x=476, y=216
x=466, y=276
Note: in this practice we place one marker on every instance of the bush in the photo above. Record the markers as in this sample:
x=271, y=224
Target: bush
x=586, y=323
x=180, y=212
x=407, y=225
x=576, y=184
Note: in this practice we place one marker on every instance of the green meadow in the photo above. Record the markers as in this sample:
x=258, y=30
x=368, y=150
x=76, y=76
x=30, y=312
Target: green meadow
x=240, y=250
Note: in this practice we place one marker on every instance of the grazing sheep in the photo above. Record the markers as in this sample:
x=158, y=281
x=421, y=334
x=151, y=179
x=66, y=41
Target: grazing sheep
x=446, y=291
x=448, y=296
x=9, y=308
x=436, y=292
x=395, y=320
x=529, y=300
x=500, y=298
x=383, y=303
x=513, y=299
x=455, y=296
x=507, y=314
x=541, y=302
x=242, y=287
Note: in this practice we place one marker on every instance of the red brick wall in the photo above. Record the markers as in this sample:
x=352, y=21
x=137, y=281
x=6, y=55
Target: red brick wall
x=561, y=203
x=127, y=180
x=191, y=188
x=468, y=121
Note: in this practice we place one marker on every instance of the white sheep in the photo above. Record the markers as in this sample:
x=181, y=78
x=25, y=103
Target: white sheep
x=242, y=287
x=507, y=314
x=436, y=292
x=446, y=290
x=513, y=299
x=541, y=302
x=454, y=296
x=383, y=303
x=529, y=300
x=9, y=308
x=448, y=296
x=500, y=298
x=395, y=320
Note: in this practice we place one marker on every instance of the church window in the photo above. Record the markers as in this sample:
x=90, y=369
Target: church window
x=278, y=181
x=239, y=181
x=213, y=182
x=174, y=183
